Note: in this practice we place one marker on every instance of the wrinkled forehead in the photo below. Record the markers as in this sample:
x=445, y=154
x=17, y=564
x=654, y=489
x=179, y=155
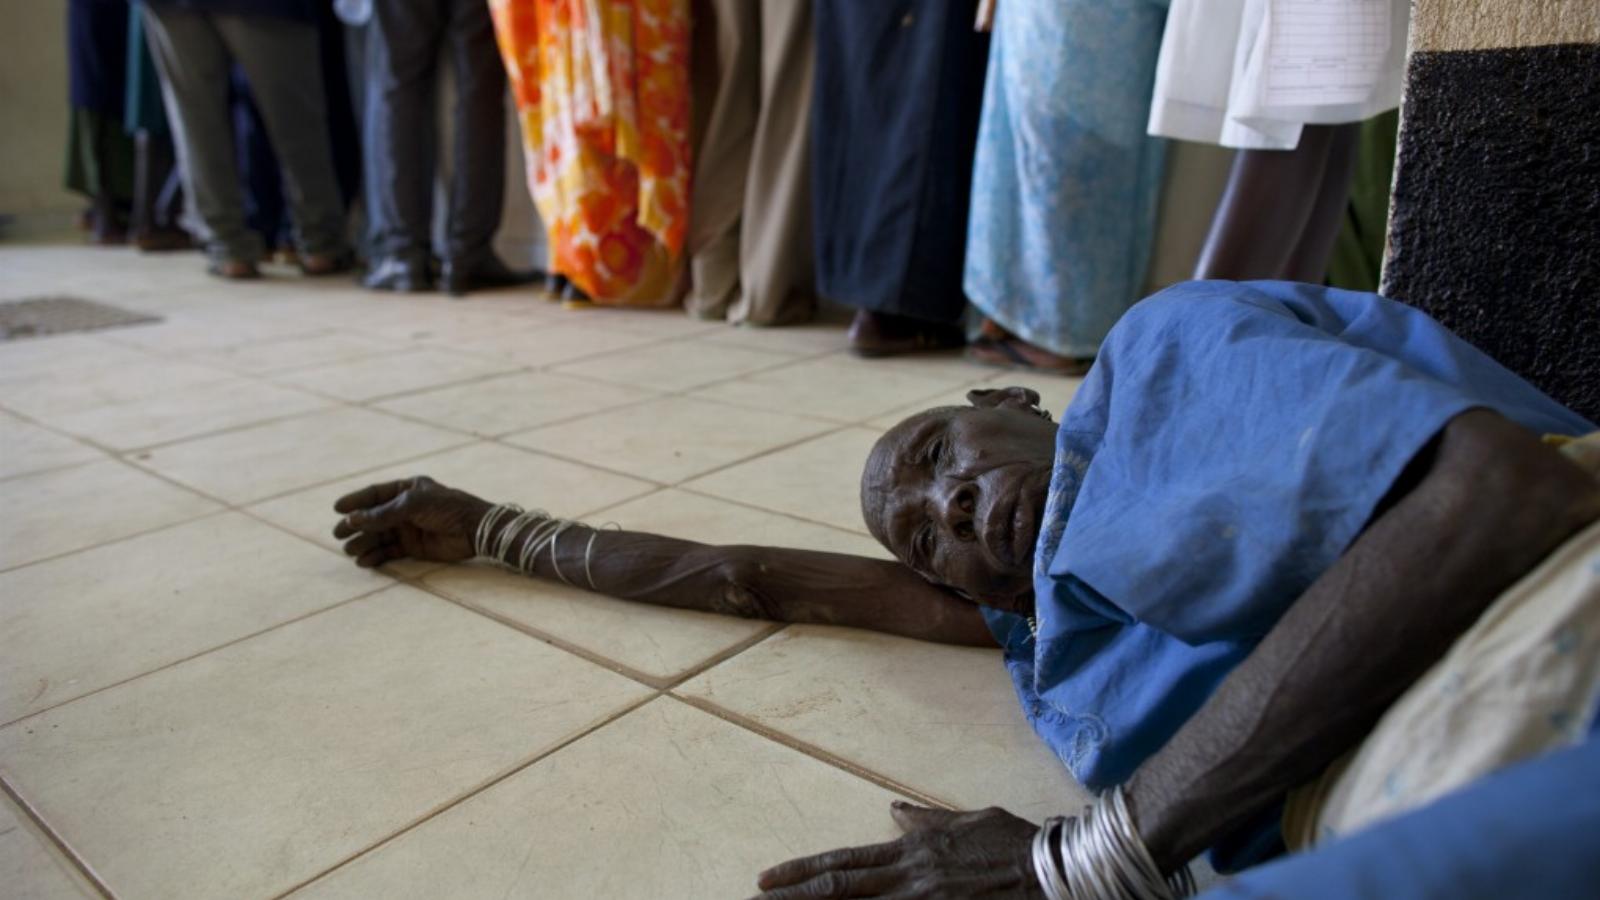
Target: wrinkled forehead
x=888, y=462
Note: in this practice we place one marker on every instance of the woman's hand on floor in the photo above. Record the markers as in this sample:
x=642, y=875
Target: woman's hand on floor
x=415, y=517
x=943, y=854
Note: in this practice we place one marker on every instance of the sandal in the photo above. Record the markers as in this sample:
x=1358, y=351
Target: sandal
x=997, y=347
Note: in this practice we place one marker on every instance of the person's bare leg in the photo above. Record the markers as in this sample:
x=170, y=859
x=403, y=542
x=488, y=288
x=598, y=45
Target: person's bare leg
x=1267, y=208
x=1309, y=261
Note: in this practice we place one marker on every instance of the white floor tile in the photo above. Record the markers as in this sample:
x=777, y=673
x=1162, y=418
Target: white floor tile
x=78, y=623
x=655, y=642
x=495, y=472
x=837, y=387
x=28, y=448
x=818, y=480
x=256, y=463
x=54, y=512
x=666, y=802
x=183, y=412
x=401, y=372
x=672, y=365
x=941, y=720
x=497, y=406
x=31, y=867
x=248, y=770
x=670, y=439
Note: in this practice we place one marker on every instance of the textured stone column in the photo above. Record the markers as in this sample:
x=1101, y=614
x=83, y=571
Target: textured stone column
x=1495, y=223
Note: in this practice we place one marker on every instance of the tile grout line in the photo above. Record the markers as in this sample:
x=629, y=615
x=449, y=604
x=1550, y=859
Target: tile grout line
x=618, y=668
x=698, y=492
x=471, y=793
x=197, y=654
x=832, y=428
x=256, y=501
x=58, y=841
x=711, y=662
x=115, y=540
x=549, y=369
x=807, y=749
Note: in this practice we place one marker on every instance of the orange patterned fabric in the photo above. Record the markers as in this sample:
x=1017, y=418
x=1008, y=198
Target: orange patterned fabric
x=602, y=92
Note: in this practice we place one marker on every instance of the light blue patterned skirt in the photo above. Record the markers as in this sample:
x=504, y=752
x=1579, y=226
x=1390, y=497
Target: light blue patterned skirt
x=1066, y=182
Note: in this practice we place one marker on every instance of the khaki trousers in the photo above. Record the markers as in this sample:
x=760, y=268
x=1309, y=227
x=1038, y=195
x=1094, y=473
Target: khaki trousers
x=750, y=255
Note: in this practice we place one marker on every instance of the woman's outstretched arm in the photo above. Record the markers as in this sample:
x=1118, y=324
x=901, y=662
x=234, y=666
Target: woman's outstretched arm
x=422, y=519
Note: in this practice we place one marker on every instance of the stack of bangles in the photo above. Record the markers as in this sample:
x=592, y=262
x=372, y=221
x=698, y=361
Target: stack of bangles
x=1100, y=856
x=538, y=531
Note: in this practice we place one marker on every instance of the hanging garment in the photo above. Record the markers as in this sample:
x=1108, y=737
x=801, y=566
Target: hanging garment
x=1066, y=182
x=894, y=120
x=1250, y=73
x=602, y=92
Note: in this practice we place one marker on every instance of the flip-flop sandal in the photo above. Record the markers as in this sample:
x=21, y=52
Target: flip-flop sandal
x=1015, y=353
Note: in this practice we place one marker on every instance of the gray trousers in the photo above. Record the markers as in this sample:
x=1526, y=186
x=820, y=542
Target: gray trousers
x=750, y=249
x=280, y=59
x=403, y=48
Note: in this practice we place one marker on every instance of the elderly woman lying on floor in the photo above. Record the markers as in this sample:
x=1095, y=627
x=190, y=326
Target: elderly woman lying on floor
x=1271, y=511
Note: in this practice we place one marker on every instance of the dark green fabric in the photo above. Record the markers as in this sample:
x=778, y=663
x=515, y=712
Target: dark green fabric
x=1357, y=257
x=100, y=158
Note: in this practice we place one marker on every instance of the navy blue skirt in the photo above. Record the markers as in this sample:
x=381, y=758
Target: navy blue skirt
x=894, y=123
x=97, y=55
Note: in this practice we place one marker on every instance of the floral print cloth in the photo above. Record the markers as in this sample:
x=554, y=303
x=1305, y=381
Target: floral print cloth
x=602, y=93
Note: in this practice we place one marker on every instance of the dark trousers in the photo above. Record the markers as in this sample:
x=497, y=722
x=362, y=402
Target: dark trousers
x=404, y=41
x=193, y=51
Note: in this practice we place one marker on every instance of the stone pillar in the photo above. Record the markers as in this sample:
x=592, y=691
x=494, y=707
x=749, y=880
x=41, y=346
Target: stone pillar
x=1495, y=223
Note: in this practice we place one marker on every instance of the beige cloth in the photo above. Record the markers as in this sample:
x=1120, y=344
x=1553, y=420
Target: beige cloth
x=1523, y=681
x=750, y=232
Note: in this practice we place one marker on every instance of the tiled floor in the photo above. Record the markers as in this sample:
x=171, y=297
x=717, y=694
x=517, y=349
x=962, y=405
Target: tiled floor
x=200, y=697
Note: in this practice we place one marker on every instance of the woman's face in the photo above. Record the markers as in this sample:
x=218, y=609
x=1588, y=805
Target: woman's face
x=957, y=494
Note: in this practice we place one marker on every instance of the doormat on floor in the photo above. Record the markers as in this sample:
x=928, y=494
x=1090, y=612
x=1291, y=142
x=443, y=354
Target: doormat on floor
x=39, y=316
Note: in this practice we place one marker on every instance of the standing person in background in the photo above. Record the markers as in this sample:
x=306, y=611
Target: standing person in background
x=602, y=89
x=1298, y=148
x=266, y=207
x=99, y=153
x=275, y=43
x=894, y=121
x=750, y=256
x=157, y=183
x=404, y=39
x=1066, y=183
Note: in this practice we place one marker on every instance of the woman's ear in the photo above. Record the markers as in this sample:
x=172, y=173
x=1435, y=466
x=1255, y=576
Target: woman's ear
x=1022, y=398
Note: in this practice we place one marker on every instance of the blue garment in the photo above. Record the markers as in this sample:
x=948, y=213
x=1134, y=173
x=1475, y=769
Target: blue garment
x=1066, y=181
x=1528, y=831
x=1228, y=445
x=97, y=53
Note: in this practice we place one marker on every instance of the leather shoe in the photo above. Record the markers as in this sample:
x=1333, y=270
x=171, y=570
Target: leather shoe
x=487, y=275
x=875, y=334
x=318, y=265
x=398, y=275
